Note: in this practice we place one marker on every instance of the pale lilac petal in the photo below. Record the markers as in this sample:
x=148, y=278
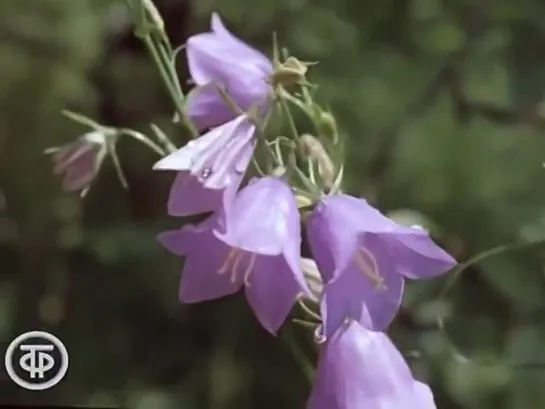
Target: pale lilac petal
x=207, y=109
x=258, y=221
x=181, y=241
x=233, y=250
x=417, y=256
x=263, y=220
x=217, y=58
x=424, y=396
x=272, y=291
x=355, y=247
x=353, y=295
x=213, y=61
x=79, y=172
x=79, y=160
x=358, y=368
x=201, y=278
x=188, y=197
x=229, y=165
x=253, y=56
x=68, y=155
x=208, y=166
x=183, y=158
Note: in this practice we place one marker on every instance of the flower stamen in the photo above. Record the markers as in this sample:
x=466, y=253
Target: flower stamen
x=368, y=265
x=233, y=262
x=249, y=270
x=233, y=252
x=236, y=265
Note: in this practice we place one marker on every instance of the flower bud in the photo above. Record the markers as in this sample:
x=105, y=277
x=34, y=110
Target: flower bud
x=312, y=275
x=290, y=72
x=327, y=125
x=79, y=161
x=315, y=151
x=154, y=15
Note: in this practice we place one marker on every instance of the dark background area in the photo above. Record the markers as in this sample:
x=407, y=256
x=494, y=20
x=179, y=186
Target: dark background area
x=442, y=105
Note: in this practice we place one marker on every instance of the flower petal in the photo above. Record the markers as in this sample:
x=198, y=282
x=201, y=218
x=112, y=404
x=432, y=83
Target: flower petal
x=251, y=55
x=208, y=165
x=417, y=256
x=356, y=293
x=79, y=172
x=181, y=241
x=350, y=296
x=183, y=158
x=206, y=108
x=258, y=219
x=188, y=196
x=362, y=369
x=212, y=61
x=201, y=277
x=423, y=396
x=272, y=291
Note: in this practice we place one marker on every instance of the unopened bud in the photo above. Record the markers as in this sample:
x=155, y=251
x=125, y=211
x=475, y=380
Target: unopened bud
x=279, y=171
x=303, y=201
x=290, y=72
x=327, y=125
x=312, y=275
x=79, y=161
x=154, y=15
x=313, y=149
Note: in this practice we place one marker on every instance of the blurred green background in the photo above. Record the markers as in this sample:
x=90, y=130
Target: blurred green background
x=442, y=102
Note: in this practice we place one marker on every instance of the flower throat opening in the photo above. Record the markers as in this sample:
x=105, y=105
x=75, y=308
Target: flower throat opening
x=233, y=262
x=367, y=264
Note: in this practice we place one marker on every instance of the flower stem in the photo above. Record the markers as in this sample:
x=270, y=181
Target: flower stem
x=291, y=121
x=168, y=80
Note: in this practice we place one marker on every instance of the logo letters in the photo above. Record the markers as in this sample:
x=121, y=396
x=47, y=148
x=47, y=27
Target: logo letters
x=37, y=367
x=31, y=362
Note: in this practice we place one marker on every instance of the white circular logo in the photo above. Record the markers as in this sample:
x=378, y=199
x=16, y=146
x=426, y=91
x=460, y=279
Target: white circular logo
x=36, y=360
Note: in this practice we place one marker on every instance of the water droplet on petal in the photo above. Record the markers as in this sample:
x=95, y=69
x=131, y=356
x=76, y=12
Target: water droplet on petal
x=204, y=174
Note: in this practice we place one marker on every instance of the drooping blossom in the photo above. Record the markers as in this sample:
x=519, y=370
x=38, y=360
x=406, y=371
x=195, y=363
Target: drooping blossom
x=218, y=58
x=208, y=165
x=363, y=257
x=79, y=161
x=253, y=242
x=362, y=369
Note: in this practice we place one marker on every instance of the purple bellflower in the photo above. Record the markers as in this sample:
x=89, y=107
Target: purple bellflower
x=79, y=161
x=208, y=165
x=363, y=257
x=362, y=369
x=218, y=58
x=252, y=242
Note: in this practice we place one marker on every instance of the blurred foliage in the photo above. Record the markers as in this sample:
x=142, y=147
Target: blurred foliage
x=442, y=102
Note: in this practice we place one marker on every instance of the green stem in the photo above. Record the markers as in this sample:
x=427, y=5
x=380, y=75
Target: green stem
x=169, y=83
x=167, y=61
x=278, y=152
x=291, y=122
x=142, y=139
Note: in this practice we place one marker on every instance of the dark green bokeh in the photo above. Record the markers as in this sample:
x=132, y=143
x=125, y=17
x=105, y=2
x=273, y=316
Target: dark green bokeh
x=441, y=101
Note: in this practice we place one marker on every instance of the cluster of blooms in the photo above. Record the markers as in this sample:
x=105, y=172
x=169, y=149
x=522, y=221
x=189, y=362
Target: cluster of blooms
x=252, y=239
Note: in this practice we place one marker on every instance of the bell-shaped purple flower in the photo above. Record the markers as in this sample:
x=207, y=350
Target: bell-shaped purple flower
x=358, y=368
x=218, y=58
x=253, y=242
x=79, y=161
x=208, y=165
x=363, y=257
